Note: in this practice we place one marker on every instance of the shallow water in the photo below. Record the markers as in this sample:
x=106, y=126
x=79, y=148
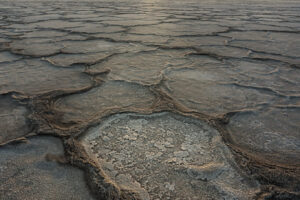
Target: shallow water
x=68, y=68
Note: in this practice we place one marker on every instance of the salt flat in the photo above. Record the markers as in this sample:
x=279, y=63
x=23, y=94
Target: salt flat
x=151, y=99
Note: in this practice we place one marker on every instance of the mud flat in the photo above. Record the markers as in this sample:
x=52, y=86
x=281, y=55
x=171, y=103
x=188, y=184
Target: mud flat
x=149, y=99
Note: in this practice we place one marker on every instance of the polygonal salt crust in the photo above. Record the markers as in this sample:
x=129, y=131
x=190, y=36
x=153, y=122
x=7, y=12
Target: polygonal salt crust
x=167, y=156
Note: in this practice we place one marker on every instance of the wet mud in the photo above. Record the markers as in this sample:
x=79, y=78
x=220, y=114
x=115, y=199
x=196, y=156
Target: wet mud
x=149, y=100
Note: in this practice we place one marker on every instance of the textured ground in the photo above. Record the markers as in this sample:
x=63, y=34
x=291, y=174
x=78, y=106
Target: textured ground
x=149, y=99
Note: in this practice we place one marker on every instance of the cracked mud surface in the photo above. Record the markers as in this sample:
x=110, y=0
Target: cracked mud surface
x=149, y=99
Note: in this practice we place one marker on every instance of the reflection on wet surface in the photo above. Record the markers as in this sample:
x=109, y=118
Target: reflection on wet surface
x=152, y=99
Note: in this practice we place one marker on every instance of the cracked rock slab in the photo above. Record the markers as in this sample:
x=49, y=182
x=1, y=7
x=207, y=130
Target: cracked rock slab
x=43, y=34
x=196, y=41
x=167, y=156
x=288, y=48
x=281, y=80
x=112, y=96
x=66, y=60
x=145, y=67
x=95, y=46
x=273, y=134
x=125, y=37
x=35, y=48
x=33, y=76
x=212, y=91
